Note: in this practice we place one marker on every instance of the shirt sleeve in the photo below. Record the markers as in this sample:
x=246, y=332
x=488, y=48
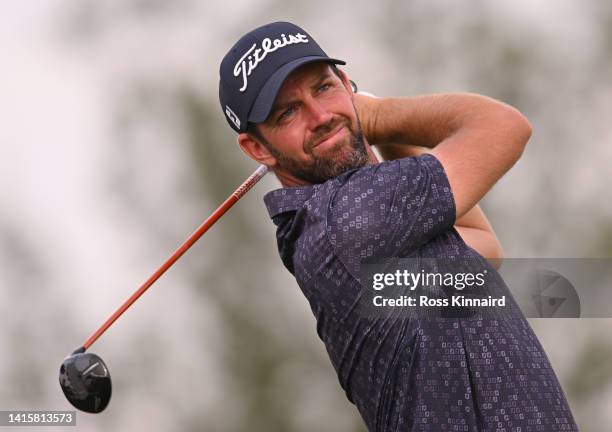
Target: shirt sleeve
x=390, y=209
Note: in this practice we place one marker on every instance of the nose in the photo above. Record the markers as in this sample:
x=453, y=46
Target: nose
x=318, y=114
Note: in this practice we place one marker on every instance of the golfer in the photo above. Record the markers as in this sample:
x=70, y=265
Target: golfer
x=296, y=112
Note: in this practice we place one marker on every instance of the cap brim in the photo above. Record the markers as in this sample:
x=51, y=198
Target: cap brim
x=265, y=100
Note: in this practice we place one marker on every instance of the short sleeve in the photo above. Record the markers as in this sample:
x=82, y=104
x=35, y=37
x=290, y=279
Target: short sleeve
x=390, y=209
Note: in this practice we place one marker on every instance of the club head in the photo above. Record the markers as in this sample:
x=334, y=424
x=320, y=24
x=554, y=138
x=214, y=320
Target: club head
x=86, y=381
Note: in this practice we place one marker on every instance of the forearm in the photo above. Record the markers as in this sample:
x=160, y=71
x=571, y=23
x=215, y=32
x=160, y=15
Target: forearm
x=483, y=242
x=476, y=231
x=399, y=151
x=424, y=120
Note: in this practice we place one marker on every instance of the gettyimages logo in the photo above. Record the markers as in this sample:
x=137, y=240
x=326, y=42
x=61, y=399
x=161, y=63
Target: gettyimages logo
x=553, y=295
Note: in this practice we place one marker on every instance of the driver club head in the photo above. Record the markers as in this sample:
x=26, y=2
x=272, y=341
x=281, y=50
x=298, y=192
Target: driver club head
x=85, y=380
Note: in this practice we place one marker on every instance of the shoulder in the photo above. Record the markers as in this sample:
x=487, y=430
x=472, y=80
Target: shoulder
x=380, y=186
x=389, y=208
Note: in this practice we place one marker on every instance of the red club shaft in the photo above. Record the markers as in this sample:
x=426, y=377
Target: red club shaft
x=210, y=221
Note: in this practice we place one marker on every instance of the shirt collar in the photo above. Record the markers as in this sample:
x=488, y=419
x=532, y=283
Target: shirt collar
x=287, y=199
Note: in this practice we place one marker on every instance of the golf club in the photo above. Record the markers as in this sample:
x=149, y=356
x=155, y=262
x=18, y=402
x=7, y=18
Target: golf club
x=84, y=377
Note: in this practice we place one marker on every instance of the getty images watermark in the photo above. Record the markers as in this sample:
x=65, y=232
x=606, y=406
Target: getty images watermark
x=411, y=281
x=473, y=287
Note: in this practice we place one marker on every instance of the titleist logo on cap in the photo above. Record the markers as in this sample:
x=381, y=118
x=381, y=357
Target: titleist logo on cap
x=247, y=63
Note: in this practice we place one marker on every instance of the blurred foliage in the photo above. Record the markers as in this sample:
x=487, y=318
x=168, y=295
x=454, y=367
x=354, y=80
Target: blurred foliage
x=592, y=373
x=602, y=243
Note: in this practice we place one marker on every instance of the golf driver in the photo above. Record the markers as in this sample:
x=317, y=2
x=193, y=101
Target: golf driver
x=84, y=377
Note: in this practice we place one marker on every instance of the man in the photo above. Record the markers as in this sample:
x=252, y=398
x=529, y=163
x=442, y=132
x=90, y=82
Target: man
x=296, y=112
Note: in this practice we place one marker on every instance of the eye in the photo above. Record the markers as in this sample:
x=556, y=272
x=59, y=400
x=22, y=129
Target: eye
x=324, y=87
x=285, y=114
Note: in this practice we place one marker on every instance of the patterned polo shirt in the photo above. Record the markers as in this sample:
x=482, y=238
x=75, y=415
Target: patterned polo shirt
x=405, y=373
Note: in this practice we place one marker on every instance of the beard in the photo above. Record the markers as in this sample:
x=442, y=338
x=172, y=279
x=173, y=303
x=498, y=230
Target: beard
x=337, y=160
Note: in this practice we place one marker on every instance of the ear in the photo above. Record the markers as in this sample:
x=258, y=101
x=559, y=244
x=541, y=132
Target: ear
x=255, y=149
x=346, y=82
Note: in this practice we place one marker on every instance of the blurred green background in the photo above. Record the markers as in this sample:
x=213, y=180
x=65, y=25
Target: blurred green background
x=113, y=148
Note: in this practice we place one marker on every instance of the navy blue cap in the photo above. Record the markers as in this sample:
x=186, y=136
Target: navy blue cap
x=254, y=69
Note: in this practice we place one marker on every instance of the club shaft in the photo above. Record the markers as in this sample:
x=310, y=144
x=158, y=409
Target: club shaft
x=210, y=221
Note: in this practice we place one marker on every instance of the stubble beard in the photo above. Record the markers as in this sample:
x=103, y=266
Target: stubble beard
x=335, y=161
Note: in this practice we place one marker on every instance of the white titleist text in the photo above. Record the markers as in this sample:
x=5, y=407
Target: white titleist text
x=249, y=61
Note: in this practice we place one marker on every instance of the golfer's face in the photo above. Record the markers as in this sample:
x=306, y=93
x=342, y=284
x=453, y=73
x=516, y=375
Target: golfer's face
x=313, y=117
